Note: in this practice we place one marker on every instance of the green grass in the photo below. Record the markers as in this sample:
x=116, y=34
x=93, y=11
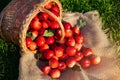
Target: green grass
x=109, y=11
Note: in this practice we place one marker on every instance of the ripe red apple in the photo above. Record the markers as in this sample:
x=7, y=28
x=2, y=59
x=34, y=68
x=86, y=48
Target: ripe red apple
x=62, y=66
x=63, y=57
x=55, y=73
x=95, y=59
x=55, y=8
x=58, y=51
x=50, y=40
x=58, y=33
x=34, y=33
x=32, y=46
x=41, y=31
x=28, y=41
x=68, y=33
x=44, y=24
x=55, y=13
x=78, y=46
x=79, y=39
x=46, y=69
x=35, y=24
x=85, y=62
x=43, y=48
x=48, y=6
x=48, y=54
x=76, y=30
x=70, y=51
x=87, y=51
x=70, y=41
x=70, y=62
x=54, y=25
x=43, y=16
x=78, y=56
x=67, y=25
x=40, y=41
x=53, y=63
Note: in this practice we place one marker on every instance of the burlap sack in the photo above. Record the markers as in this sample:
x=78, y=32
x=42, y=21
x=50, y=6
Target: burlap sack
x=95, y=38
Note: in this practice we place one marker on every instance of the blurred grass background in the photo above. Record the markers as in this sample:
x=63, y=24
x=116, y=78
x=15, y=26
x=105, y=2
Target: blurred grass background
x=109, y=11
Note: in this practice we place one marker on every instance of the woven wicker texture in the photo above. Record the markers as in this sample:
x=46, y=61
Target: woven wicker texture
x=16, y=17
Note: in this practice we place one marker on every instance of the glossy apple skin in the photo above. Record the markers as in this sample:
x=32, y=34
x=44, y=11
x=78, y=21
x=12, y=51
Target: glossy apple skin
x=85, y=62
x=54, y=63
x=48, y=54
x=62, y=66
x=70, y=51
x=95, y=59
x=70, y=62
x=46, y=69
x=55, y=73
x=40, y=41
x=35, y=24
x=58, y=51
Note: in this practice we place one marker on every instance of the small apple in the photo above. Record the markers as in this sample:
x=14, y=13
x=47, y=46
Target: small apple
x=70, y=62
x=95, y=59
x=70, y=51
x=85, y=62
x=46, y=69
x=48, y=54
x=55, y=73
x=53, y=63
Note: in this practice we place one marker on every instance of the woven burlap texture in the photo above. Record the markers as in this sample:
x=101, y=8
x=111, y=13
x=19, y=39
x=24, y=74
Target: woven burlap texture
x=95, y=38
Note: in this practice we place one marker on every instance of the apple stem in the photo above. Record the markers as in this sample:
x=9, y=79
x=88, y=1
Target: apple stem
x=81, y=70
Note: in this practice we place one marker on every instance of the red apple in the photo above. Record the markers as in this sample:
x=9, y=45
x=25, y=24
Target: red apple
x=35, y=24
x=78, y=56
x=63, y=57
x=62, y=66
x=43, y=16
x=87, y=51
x=46, y=69
x=58, y=51
x=67, y=25
x=43, y=48
x=78, y=46
x=70, y=41
x=53, y=63
x=58, y=33
x=55, y=8
x=68, y=33
x=85, y=62
x=70, y=51
x=55, y=73
x=41, y=31
x=44, y=24
x=50, y=40
x=54, y=25
x=40, y=41
x=34, y=33
x=32, y=46
x=48, y=54
x=70, y=62
x=76, y=30
x=48, y=6
x=79, y=39
x=95, y=59
x=28, y=41
x=55, y=13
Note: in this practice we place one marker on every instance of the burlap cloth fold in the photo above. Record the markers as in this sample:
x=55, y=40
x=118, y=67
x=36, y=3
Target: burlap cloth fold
x=95, y=38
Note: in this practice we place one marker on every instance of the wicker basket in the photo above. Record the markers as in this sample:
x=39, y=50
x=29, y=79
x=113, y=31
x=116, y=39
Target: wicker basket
x=16, y=17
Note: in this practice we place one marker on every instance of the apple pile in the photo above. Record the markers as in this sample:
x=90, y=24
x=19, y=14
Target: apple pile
x=43, y=36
